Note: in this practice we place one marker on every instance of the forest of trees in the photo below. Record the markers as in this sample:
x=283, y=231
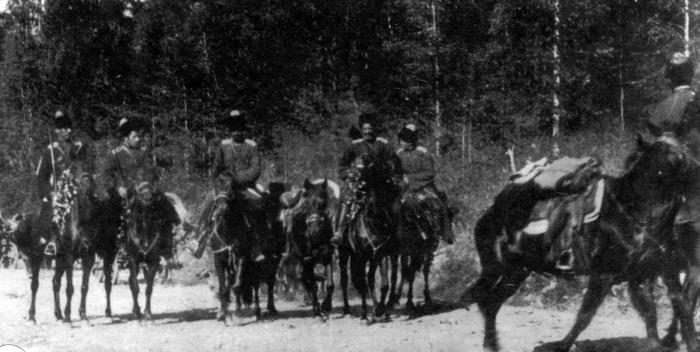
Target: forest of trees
x=489, y=68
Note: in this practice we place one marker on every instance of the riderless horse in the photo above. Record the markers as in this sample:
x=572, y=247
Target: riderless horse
x=309, y=225
x=628, y=239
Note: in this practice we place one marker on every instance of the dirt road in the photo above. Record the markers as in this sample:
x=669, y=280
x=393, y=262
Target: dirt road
x=184, y=321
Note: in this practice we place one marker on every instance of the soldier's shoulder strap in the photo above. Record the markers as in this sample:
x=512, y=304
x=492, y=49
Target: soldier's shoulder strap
x=118, y=150
x=358, y=141
x=228, y=141
x=383, y=140
x=422, y=149
x=251, y=143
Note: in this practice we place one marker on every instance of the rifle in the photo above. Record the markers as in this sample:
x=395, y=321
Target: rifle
x=53, y=164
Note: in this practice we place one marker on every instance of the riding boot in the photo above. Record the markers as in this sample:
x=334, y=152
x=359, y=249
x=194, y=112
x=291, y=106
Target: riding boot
x=239, y=274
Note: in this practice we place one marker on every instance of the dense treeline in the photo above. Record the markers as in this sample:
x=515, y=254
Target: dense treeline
x=296, y=63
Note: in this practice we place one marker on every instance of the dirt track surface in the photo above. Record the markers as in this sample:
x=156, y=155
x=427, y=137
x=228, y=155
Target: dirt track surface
x=184, y=321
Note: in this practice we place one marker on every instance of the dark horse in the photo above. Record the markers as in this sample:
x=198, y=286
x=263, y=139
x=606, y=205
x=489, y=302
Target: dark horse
x=231, y=245
x=149, y=230
x=311, y=231
x=370, y=234
x=89, y=228
x=629, y=241
x=418, y=238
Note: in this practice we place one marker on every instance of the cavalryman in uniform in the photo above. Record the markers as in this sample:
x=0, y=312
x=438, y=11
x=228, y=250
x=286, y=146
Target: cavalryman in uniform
x=419, y=179
x=386, y=168
x=680, y=111
x=127, y=164
x=239, y=157
x=63, y=161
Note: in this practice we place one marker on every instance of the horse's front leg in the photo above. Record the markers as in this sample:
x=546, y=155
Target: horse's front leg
x=88, y=262
x=642, y=298
x=150, y=274
x=69, y=288
x=427, y=299
x=134, y=287
x=327, y=304
x=107, y=265
x=598, y=286
x=343, y=264
x=384, y=289
x=58, y=274
x=393, y=297
x=33, y=264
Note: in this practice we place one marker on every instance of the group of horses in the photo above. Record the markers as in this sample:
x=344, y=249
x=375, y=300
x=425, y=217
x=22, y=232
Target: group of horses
x=644, y=228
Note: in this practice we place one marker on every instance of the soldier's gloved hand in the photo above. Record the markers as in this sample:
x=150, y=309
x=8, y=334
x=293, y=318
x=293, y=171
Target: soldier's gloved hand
x=122, y=191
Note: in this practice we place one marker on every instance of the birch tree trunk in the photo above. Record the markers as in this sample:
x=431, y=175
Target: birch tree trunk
x=557, y=80
x=687, y=28
x=436, y=73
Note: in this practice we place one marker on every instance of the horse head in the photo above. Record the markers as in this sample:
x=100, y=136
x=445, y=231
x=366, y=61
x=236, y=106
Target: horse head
x=661, y=169
x=315, y=209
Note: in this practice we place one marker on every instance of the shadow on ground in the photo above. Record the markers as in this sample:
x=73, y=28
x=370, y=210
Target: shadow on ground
x=619, y=344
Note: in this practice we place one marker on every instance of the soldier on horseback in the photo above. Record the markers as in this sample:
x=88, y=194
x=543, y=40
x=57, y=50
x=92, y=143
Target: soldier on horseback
x=127, y=165
x=422, y=196
x=386, y=169
x=239, y=157
x=56, y=173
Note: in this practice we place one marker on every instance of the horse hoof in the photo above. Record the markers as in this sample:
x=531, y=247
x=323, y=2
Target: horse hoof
x=272, y=311
x=221, y=316
x=669, y=342
x=346, y=311
x=326, y=306
x=410, y=307
x=108, y=313
x=379, y=311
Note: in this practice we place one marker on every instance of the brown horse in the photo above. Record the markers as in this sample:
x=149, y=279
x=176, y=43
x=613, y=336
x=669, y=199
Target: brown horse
x=231, y=244
x=311, y=231
x=370, y=234
x=418, y=236
x=629, y=241
x=150, y=221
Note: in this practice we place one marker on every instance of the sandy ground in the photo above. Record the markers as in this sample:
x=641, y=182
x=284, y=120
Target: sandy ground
x=184, y=321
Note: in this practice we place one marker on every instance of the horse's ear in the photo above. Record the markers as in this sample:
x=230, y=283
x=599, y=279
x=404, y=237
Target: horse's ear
x=642, y=144
x=654, y=129
x=308, y=185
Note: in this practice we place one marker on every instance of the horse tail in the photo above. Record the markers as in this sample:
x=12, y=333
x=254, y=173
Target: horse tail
x=183, y=214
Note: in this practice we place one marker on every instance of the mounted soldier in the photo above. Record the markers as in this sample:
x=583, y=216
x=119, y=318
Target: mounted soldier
x=384, y=173
x=129, y=166
x=239, y=157
x=679, y=112
x=422, y=195
x=62, y=163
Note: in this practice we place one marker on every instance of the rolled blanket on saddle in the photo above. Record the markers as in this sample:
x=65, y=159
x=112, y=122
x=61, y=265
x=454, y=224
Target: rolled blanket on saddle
x=566, y=175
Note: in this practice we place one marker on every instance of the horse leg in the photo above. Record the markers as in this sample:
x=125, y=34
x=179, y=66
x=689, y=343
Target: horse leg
x=384, y=289
x=643, y=301
x=371, y=279
x=256, y=295
x=598, y=286
x=271, y=309
x=393, y=298
x=107, y=264
x=33, y=264
x=150, y=274
x=224, y=294
x=134, y=286
x=58, y=273
x=359, y=280
x=499, y=288
x=427, y=299
x=69, y=288
x=343, y=264
x=408, y=272
x=691, y=290
x=308, y=277
x=675, y=295
x=88, y=262
x=327, y=304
